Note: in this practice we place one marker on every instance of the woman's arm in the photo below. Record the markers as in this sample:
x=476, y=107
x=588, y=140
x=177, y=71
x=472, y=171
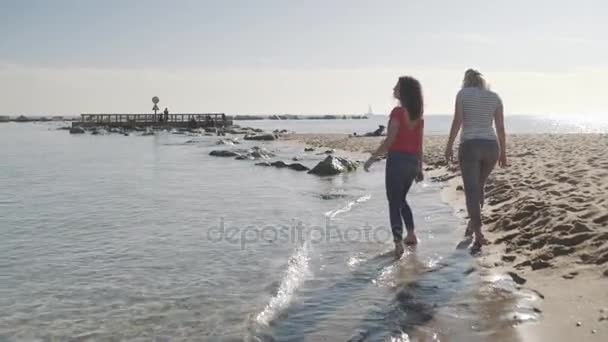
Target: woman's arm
x=456, y=124
x=499, y=119
x=420, y=175
x=391, y=135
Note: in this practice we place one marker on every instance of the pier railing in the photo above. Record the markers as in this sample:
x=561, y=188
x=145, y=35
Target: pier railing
x=160, y=119
x=107, y=118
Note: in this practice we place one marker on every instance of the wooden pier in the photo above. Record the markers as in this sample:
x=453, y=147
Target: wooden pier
x=153, y=120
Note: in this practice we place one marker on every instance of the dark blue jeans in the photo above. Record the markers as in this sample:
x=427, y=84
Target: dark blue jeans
x=401, y=170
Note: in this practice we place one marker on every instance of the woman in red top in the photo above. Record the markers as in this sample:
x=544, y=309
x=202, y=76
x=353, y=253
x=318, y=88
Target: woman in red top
x=404, y=162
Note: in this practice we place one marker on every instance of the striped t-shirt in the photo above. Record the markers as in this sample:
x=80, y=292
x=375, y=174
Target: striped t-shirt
x=479, y=107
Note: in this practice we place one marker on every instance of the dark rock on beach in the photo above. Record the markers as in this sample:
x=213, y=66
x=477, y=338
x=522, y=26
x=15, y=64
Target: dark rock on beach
x=333, y=165
x=308, y=149
x=516, y=278
x=539, y=265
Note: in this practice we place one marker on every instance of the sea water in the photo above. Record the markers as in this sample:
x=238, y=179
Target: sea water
x=150, y=238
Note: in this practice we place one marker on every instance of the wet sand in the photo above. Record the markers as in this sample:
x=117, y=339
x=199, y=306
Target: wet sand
x=547, y=219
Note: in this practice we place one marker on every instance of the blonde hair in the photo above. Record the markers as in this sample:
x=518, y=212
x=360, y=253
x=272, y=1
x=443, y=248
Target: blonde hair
x=473, y=78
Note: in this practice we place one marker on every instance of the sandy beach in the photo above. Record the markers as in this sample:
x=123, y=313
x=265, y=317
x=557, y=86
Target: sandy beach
x=546, y=216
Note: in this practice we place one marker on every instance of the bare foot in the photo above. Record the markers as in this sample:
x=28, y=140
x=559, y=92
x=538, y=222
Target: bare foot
x=398, y=249
x=479, y=241
x=411, y=239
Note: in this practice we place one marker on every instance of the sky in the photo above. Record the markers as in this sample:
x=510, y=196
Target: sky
x=66, y=57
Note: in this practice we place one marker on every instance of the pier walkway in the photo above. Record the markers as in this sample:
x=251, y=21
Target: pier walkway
x=153, y=120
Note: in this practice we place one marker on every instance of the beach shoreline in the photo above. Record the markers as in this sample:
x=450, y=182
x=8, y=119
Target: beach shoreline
x=546, y=216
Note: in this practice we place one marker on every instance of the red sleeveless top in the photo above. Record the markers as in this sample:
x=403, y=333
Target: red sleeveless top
x=408, y=139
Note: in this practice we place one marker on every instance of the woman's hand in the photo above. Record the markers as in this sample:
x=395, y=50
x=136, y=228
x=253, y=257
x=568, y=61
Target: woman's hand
x=369, y=163
x=449, y=154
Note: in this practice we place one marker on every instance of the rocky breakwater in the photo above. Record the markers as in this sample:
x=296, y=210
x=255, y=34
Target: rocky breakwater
x=261, y=137
x=282, y=165
x=244, y=154
x=329, y=166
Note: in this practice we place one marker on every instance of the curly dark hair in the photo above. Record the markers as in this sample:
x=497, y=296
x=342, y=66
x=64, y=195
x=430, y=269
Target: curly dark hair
x=410, y=96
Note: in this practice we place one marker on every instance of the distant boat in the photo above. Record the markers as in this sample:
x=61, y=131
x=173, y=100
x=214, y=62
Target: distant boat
x=369, y=110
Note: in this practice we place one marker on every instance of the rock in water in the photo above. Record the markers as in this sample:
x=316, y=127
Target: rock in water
x=332, y=196
x=224, y=142
x=260, y=153
x=298, y=167
x=333, y=165
x=260, y=137
x=279, y=164
x=77, y=130
x=282, y=165
x=223, y=153
x=308, y=149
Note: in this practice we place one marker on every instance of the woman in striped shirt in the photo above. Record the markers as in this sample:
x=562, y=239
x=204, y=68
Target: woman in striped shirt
x=477, y=108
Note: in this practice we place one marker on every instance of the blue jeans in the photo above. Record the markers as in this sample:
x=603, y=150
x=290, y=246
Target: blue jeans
x=401, y=170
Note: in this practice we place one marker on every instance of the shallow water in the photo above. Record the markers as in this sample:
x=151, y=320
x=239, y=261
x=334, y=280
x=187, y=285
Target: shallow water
x=440, y=124
x=142, y=238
